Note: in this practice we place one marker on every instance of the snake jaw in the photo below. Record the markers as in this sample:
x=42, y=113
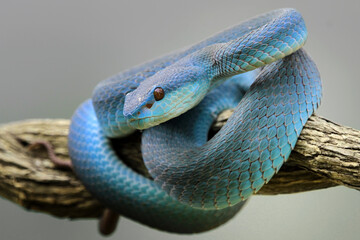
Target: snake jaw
x=141, y=119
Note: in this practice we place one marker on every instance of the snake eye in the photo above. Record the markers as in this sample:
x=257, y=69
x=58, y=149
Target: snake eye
x=159, y=93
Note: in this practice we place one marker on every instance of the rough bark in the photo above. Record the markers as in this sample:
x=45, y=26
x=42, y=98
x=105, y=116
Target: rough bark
x=326, y=155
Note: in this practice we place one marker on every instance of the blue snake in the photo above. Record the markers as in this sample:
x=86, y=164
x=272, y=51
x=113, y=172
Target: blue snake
x=258, y=67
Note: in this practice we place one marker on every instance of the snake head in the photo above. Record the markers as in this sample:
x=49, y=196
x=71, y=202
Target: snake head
x=165, y=95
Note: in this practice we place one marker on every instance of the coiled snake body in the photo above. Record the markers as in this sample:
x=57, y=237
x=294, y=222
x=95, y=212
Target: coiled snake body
x=200, y=184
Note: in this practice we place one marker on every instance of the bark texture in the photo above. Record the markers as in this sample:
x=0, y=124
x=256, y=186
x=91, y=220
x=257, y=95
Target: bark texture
x=326, y=155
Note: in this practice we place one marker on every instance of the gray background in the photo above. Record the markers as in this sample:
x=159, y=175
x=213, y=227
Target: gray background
x=52, y=54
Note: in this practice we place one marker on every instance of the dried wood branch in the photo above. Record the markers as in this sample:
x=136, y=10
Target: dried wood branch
x=326, y=155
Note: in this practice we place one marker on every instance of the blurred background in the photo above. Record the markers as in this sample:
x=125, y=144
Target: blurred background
x=53, y=53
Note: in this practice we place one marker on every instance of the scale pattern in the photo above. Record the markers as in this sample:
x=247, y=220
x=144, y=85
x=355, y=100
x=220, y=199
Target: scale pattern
x=200, y=185
x=120, y=188
x=248, y=150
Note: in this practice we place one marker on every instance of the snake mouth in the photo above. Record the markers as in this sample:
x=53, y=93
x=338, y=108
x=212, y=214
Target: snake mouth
x=143, y=118
x=144, y=122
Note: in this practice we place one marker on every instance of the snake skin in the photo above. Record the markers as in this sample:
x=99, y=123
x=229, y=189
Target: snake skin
x=198, y=183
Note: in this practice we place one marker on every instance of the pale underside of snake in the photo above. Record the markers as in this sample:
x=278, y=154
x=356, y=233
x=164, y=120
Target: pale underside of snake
x=257, y=67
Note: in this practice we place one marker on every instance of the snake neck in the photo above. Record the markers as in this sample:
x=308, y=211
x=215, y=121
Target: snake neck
x=263, y=44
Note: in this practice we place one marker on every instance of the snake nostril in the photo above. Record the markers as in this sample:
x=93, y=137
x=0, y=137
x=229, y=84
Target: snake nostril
x=149, y=105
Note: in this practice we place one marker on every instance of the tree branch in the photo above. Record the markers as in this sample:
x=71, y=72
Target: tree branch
x=326, y=155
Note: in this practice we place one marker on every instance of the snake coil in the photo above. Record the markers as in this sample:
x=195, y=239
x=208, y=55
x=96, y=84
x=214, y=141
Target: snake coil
x=258, y=67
